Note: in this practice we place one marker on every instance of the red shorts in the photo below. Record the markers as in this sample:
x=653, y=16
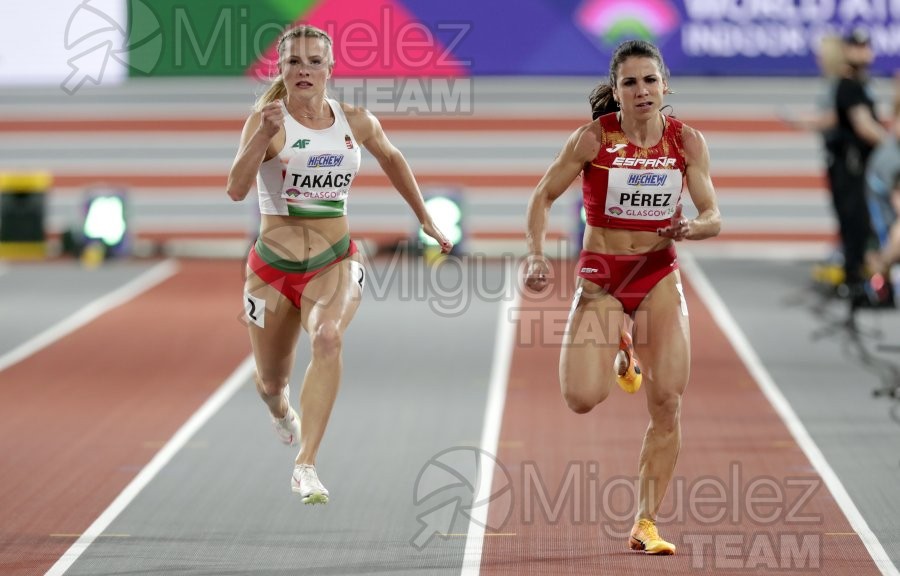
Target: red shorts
x=291, y=277
x=627, y=277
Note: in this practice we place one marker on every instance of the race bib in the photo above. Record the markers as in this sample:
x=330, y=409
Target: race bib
x=643, y=194
x=316, y=184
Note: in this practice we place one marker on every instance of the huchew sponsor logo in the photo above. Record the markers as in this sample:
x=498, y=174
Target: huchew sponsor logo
x=647, y=179
x=325, y=161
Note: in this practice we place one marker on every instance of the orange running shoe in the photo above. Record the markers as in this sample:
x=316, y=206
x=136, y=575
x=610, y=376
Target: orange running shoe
x=628, y=373
x=644, y=536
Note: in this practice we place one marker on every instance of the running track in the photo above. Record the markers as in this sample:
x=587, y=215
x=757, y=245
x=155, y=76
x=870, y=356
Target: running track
x=84, y=415
x=81, y=418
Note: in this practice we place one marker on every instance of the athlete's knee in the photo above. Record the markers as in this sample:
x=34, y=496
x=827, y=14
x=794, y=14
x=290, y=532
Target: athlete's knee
x=578, y=404
x=271, y=385
x=326, y=340
x=665, y=412
x=582, y=403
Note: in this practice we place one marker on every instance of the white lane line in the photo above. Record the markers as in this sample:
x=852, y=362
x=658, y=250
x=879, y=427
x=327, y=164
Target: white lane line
x=215, y=402
x=490, y=434
x=754, y=365
x=95, y=309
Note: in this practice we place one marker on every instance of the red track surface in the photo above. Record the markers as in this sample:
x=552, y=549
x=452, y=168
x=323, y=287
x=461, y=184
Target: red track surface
x=732, y=438
x=99, y=403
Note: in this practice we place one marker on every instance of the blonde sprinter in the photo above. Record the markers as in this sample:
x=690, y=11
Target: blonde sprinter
x=302, y=150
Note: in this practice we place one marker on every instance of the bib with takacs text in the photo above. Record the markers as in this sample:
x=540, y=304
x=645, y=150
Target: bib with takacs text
x=317, y=183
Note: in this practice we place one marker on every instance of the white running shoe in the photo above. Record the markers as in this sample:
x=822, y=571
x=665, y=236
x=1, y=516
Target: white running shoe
x=288, y=428
x=305, y=482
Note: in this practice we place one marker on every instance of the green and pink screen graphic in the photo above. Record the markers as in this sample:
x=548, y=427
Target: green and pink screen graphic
x=424, y=38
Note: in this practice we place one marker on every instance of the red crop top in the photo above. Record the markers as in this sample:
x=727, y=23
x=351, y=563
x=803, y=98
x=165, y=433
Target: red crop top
x=633, y=188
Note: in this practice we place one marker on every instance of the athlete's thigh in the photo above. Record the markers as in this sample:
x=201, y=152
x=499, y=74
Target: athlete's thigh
x=333, y=295
x=274, y=324
x=662, y=338
x=591, y=339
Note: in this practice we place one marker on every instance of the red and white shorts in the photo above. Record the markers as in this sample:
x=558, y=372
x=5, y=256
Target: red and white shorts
x=627, y=277
x=291, y=277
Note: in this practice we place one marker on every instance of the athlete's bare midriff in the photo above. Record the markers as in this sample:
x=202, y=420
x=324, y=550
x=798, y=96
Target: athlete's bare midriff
x=617, y=241
x=299, y=239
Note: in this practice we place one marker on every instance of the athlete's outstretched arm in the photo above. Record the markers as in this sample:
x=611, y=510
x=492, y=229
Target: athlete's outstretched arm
x=581, y=147
x=368, y=132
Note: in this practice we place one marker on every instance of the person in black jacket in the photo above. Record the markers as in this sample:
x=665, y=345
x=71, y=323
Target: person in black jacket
x=858, y=133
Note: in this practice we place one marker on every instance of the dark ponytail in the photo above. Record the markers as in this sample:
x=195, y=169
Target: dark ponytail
x=601, y=100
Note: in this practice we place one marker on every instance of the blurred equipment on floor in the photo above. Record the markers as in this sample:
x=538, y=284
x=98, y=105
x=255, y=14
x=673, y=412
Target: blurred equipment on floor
x=22, y=208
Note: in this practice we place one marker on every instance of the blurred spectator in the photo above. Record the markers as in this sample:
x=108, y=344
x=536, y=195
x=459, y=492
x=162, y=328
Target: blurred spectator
x=832, y=67
x=883, y=181
x=858, y=133
x=823, y=121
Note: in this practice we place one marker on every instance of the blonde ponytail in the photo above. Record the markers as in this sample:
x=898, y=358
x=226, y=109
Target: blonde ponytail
x=275, y=91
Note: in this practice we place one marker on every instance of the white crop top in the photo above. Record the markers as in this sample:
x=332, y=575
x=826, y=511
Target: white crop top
x=311, y=175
